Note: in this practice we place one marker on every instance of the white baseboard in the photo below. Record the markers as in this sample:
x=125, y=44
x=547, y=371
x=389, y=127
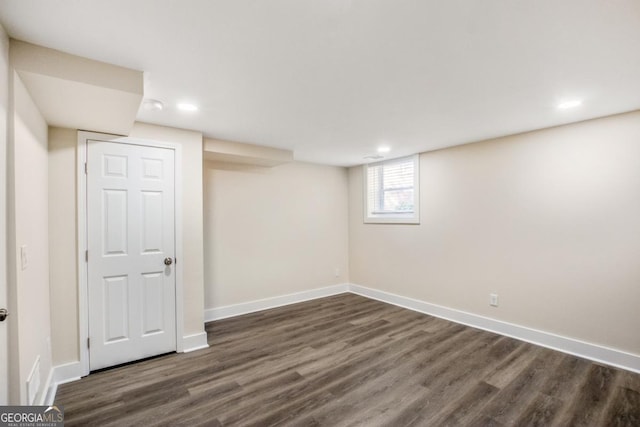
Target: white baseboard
x=194, y=342
x=267, y=303
x=594, y=352
x=61, y=374
x=68, y=372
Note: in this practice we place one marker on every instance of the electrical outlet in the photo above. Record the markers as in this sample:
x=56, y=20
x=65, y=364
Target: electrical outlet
x=23, y=257
x=337, y=272
x=493, y=300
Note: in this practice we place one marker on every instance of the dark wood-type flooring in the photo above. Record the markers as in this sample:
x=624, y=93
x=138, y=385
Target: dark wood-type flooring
x=348, y=360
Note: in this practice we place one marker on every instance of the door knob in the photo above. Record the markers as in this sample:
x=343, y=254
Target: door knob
x=168, y=261
x=3, y=314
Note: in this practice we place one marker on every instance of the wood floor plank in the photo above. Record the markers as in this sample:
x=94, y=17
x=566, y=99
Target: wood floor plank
x=346, y=360
x=385, y=385
x=586, y=407
x=541, y=412
x=511, y=366
x=360, y=371
x=629, y=380
x=564, y=381
x=517, y=395
x=624, y=410
x=464, y=410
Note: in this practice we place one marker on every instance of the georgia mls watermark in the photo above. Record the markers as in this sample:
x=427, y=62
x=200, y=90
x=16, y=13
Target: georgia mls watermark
x=31, y=416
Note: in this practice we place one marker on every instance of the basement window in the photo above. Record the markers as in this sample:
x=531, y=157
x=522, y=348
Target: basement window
x=392, y=192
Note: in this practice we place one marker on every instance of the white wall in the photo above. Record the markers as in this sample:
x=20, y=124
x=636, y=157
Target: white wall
x=63, y=272
x=29, y=227
x=273, y=231
x=549, y=220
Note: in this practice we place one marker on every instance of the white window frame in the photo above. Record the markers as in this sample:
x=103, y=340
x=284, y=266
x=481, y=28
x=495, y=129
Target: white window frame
x=393, y=218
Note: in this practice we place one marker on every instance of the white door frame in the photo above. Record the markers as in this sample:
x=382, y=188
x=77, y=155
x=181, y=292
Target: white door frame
x=82, y=235
x=4, y=239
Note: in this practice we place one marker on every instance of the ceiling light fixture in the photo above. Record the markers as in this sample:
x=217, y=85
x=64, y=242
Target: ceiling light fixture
x=187, y=107
x=569, y=104
x=152, y=105
x=384, y=149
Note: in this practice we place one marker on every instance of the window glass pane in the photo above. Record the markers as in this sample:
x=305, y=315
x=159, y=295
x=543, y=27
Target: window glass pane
x=389, y=190
x=398, y=200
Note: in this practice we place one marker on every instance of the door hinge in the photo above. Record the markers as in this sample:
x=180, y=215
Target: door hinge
x=88, y=342
x=85, y=168
x=86, y=256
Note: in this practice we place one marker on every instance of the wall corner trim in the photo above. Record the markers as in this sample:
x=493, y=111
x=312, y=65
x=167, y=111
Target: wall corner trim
x=233, y=310
x=194, y=342
x=593, y=352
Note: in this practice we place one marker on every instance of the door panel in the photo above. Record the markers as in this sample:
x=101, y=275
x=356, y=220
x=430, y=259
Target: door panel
x=116, y=308
x=152, y=221
x=130, y=217
x=153, y=304
x=114, y=227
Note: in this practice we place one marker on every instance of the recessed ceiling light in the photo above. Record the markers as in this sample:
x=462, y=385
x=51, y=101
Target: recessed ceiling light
x=569, y=104
x=187, y=107
x=152, y=105
x=384, y=149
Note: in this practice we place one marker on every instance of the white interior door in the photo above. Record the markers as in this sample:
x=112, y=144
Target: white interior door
x=131, y=235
